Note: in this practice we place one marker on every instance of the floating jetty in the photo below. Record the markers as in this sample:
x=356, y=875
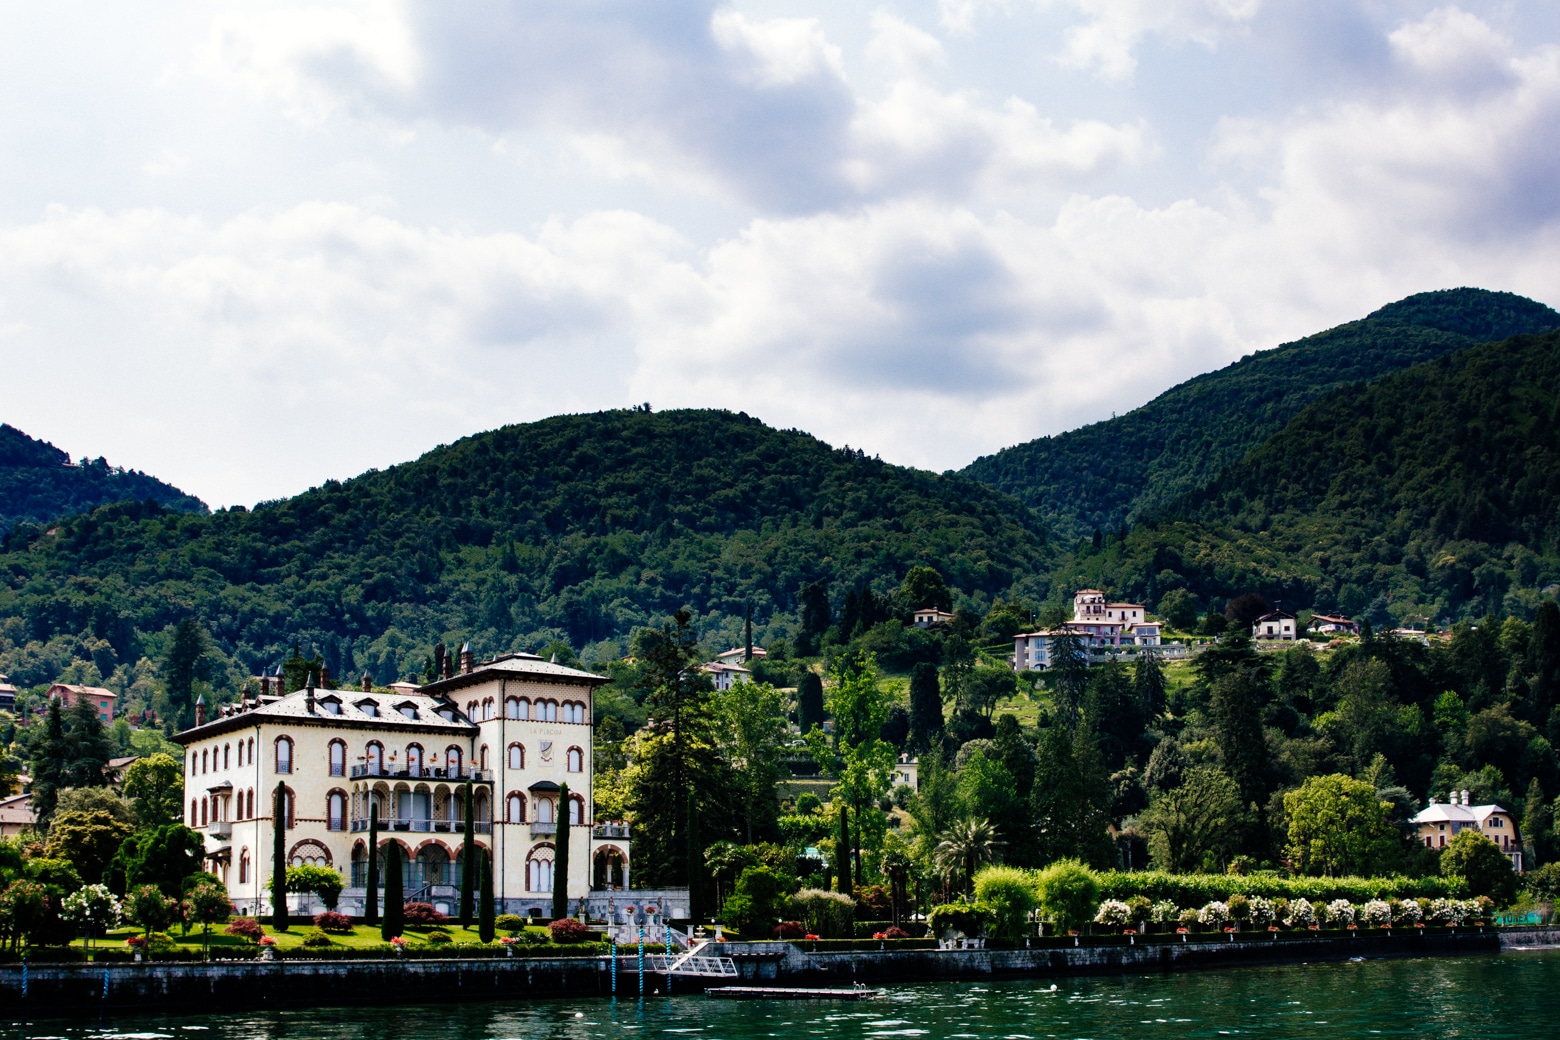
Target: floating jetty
x=789, y=993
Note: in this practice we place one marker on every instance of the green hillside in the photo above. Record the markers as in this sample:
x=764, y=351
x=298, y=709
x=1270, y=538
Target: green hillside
x=1101, y=475
x=578, y=527
x=1430, y=493
x=38, y=482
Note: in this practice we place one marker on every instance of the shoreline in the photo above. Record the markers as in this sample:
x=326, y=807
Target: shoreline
x=93, y=989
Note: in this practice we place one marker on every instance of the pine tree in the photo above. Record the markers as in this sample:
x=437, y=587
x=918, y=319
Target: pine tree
x=1236, y=708
x=560, y=898
x=371, y=902
x=1148, y=683
x=279, y=858
x=51, y=763
x=1069, y=801
x=185, y=662
x=815, y=616
x=394, y=922
x=88, y=747
x=485, y=907
x=1544, y=665
x=747, y=626
x=468, y=850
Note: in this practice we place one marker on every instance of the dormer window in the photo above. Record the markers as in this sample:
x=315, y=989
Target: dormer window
x=369, y=708
x=408, y=709
x=447, y=714
x=330, y=705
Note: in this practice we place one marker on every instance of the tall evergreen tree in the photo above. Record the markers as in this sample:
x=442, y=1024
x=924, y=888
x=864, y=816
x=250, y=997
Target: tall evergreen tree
x=842, y=851
x=1148, y=682
x=485, y=919
x=1111, y=706
x=747, y=632
x=815, y=616
x=809, y=701
x=1543, y=666
x=560, y=892
x=185, y=663
x=467, y=851
x=88, y=746
x=1015, y=754
x=1236, y=708
x=50, y=763
x=1068, y=675
x=1069, y=801
x=279, y=858
x=394, y=922
x=926, y=710
x=371, y=902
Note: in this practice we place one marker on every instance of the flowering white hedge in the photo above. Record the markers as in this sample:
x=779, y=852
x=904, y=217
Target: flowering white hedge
x=1215, y=914
x=1261, y=910
x=1114, y=913
x=1340, y=913
x=1301, y=914
x=1377, y=913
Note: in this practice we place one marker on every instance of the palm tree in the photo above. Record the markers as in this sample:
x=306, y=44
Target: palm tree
x=964, y=848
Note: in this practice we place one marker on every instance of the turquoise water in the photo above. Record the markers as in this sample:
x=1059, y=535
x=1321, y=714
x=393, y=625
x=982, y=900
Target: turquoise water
x=1511, y=996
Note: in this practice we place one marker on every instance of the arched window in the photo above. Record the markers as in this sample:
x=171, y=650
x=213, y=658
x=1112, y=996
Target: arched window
x=194, y=764
x=514, y=808
x=539, y=871
x=376, y=758
x=336, y=811
x=573, y=711
x=471, y=710
x=487, y=709
x=512, y=708
x=576, y=810
x=194, y=811
x=309, y=853
x=414, y=759
x=205, y=766
x=251, y=803
x=523, y=711
x=243, y=863
x=284, y=754
x=576, y=760
x=251, y=750
x=227, y=756
x=203, y=810
x=544, y=810
x=484, y=758
x=453, y=759
x=516, y=756
x=549, y=710
x=338, y=758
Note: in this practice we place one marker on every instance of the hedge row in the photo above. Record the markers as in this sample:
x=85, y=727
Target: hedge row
x=1200, y=889
x=453, y=951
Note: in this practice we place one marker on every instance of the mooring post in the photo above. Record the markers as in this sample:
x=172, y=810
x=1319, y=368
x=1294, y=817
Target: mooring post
x=641, y=960
x=668, y=960
x=613, y=943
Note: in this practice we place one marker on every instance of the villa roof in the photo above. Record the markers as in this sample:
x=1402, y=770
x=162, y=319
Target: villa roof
x=516, y=666
x=1444, y=812
x=294, y=708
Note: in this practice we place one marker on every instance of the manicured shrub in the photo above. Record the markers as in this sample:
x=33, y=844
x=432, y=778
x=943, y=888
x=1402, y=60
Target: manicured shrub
x=1377, y=913
x=568, y=930
x=1301, y=914
x=439, y=937
x=245, y=928
x=315, y=939
x=1259, y=911
x=896, y=932
x=334, y=923
x=1010, y=895
x=1340, y=913
x=829, y=914
x=1214, y=915
x=1113, y=913
x=422, y=914
x=509, y=922
x=1067, y=893
x=789, y=930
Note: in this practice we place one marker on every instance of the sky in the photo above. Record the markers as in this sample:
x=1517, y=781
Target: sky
x=249, y=247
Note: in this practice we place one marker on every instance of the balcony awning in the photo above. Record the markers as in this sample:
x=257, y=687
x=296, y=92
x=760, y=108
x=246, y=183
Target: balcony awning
x=226, y=785
x=543, y=785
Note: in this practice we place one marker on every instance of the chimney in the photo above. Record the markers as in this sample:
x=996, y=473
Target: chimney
x=1465, y=797
x=200, y=710
x=368, y=683
x=325, y=677
x=468, y=660
x=308, y=697
x=449, y=666
x=439, y=664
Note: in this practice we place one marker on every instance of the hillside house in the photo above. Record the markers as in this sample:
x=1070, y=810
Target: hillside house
x=1332, y=623
x=1099, y=626
x=725, y=676
x=1275, y=624
x=738, y=655
x=7, y=694
x=101, y=699
x=926, y=617
x=516, y=728
x=907, y=771
x=1439, y=822
x=16, y=815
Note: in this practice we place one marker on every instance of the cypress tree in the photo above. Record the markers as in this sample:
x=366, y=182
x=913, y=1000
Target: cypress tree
x=560, y=900
x=371, y=903
x=468, y=849
x=394, y=922
x=809, y=701
x=842, y=852
x=695, y=861
x=485, y=914
x=1544, y=665
x=748, y=627
x=279, y=859
x=926, y=710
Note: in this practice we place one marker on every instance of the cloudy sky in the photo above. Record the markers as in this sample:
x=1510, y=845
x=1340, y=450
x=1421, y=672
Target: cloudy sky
x=248, y=247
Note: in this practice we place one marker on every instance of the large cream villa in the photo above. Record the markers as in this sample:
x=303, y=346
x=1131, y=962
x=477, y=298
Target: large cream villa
x=517, y=727
x=1099, y=626
x=1439, y=822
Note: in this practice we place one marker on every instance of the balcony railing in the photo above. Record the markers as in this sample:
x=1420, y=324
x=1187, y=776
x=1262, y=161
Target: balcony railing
x=543, y=830
x=481, y=776
x=222, y=829
x=610, y=830
x=401, y=823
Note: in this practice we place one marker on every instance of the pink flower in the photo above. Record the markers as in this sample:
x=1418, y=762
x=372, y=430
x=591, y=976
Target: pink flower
x=266, y=940
x=398, y=941
x=509, y=940
x=809, y=935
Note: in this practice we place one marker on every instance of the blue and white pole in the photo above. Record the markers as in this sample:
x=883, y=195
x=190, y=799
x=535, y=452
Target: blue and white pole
x=641, y=960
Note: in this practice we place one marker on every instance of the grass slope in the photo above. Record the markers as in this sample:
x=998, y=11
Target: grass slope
x=1101, y=475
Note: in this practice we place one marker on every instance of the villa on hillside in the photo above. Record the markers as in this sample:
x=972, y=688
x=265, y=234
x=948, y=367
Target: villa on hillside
x=7, y=694
x=102, y=699
x=724, y=675
x=738, y=655
x=512, y=731
x=1438, y=822
x=1098, y=625
x=1275, y=624
x=1333, y=623
x=926, y=617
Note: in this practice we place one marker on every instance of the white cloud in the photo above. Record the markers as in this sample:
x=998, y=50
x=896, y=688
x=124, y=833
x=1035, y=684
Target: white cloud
x=1108, y=40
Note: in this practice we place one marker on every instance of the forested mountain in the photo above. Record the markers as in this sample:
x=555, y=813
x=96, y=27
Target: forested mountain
x=578, y=527
x=1430, y=493
x=1099, y=476
x=38, y=482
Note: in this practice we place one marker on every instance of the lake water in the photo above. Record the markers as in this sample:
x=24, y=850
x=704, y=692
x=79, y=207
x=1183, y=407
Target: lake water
x=1511, y=996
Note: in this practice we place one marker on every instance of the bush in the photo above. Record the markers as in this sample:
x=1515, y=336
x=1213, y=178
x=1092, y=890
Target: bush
x=161, y=942
x=789, y=930
x=831, y=915
x=1480, y=863
x=245, y=928
x=1113, y=913
x=315, y=939
x=1301, y=914
x=1164, y=912
x=568, y=930
x=1067, y=892
x=1009, y=893
x=1199, y=889
x=756, y=900
x=1138, y=908
x=896, y=932
x=336, y=924
x=1259, y=911
x=439, y=937
x=1214, y=915
x=1377, y=913
x=509, y=922
x=968, y=919
x=1340, y=913
x=1240, y=908
x=422, y=914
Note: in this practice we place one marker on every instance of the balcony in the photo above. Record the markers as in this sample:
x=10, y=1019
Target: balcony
x=220, y=829
x=610, y=830
x=543, y=830
x=456, y=776
x=403, y=823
